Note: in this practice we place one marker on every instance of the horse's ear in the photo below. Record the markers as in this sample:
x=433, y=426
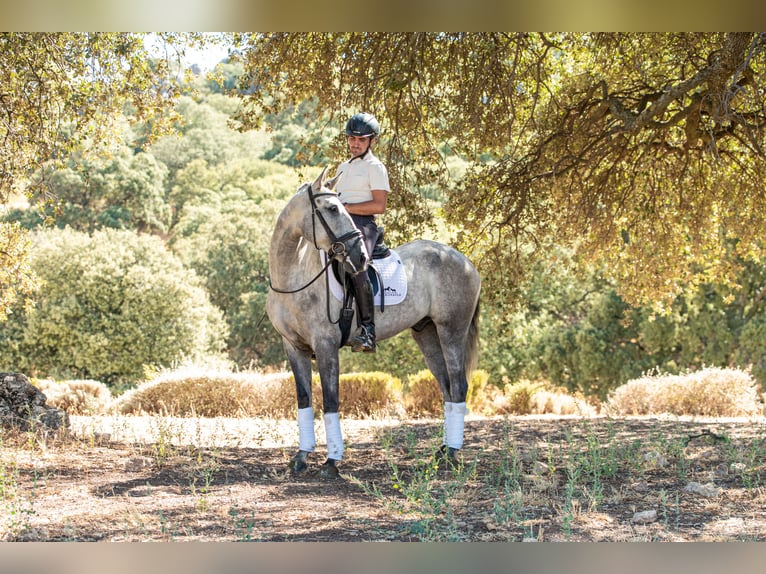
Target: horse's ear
x=330, y=183
x=319, y=182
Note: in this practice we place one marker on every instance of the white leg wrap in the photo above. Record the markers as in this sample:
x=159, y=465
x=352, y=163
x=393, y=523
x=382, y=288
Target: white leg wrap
x=447, y=410
x=307, y=440
x=454, y=424
x=334, y=436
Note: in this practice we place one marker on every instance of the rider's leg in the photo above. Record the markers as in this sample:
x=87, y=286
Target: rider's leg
x=364, y=339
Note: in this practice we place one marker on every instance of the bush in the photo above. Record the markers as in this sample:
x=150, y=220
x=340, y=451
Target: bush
x=423, y=396
x=76, y=397
x=361, y=395
x=709, y=392
x=197, y=392
x=537, y=397
x=369, y=394
x=207, y=393
x=110, y=304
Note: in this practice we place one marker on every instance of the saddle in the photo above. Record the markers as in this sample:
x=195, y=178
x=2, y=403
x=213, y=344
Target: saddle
x=381, y=251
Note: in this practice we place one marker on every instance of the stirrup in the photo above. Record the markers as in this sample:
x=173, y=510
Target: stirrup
x=363, y=341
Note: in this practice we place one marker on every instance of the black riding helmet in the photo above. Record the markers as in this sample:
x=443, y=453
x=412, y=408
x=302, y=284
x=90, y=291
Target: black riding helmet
x=362, y=125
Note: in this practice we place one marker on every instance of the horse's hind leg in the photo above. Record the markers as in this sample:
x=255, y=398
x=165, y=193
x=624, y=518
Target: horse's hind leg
x=430, y=345
x=443, y=350
x=427, y=339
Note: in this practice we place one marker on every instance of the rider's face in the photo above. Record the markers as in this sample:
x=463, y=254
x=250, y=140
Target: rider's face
x=358, y=145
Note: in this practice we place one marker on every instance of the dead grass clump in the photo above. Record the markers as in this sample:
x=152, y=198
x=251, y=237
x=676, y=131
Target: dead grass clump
x=77, y=397
x=370, y=394
x=709, y=392
x=361, y=395
x=423, y=397
x=196, y=392
x=537, y=397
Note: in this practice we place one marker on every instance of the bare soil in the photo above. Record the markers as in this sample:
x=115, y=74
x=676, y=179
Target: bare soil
x=529, y=478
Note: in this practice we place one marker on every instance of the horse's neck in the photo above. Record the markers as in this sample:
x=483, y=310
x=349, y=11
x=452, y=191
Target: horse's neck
x=291, y=256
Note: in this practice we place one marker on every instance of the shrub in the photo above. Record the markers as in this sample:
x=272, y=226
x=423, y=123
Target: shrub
x=206, y=393
x=423, y=396
x=361, y=394
x=709, y=392
x=537, y=397
x=369, y=394
x=110, y=304
x=77, y=397
x=210, y=393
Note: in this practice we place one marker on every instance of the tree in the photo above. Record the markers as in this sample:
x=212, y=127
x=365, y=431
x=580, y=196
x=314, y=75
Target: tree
x=110, y=304
x=642, y=150
x=124, y=192
x=60, y=90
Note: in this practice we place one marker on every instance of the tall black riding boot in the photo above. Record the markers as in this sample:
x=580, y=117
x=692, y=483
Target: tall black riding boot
x=364, y=339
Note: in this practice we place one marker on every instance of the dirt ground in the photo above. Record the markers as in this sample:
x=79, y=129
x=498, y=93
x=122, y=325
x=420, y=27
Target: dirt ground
x=522, y=478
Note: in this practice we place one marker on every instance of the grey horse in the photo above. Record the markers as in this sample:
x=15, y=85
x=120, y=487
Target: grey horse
x=441, y=308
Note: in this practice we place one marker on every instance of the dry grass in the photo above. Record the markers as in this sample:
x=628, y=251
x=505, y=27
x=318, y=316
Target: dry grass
x=211, y=393
x=76, y=397
x=709, y=392
x=539, y=398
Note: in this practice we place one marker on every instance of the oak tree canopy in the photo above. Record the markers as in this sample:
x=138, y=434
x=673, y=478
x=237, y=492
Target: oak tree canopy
x=644, y=151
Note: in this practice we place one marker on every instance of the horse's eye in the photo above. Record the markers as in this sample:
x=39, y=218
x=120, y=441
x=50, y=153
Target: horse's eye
x=333, y=209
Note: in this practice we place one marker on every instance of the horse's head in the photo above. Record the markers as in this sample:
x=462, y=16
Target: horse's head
x=336, y=232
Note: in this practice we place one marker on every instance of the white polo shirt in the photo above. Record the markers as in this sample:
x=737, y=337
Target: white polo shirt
x=359, y=176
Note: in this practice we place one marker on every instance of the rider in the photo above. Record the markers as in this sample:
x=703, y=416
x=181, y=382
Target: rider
x=363, y=188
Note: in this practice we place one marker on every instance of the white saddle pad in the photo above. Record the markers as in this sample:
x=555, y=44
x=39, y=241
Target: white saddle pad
x=390, y=272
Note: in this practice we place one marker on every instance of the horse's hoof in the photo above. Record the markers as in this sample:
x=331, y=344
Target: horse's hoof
x=299, y=462
x=450, y=456
x=329, y=469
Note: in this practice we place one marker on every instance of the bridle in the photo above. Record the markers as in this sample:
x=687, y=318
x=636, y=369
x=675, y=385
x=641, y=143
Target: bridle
x=339, y=247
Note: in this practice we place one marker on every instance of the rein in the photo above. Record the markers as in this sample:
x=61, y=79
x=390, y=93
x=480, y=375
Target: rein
x=338, y=243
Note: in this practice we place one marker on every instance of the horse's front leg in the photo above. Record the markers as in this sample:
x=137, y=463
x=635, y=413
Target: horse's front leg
x=329, y=374
x=300, y=363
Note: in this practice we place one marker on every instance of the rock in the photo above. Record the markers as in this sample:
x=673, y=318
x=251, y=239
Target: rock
x=708, y=490
x=737, y=467
x=645, y=517
x=22, y=405
x=540, y=468
x=137, y=464
x=721, y=470
x=640, y=486
x=654, y=459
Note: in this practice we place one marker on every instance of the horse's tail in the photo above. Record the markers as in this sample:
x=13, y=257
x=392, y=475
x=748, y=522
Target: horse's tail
x=472, y=344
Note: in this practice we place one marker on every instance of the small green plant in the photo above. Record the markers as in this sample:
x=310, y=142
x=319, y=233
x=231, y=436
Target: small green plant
x=245, y=527
x=423, y=488
x=17, y=509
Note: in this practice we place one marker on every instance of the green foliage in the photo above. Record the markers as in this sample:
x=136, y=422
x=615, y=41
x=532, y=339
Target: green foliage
x=299, y=136
x=109, y=304
x=644, y=150
x=126, y=191
x=399, y=356
x=17, y=279
x=204, y=133
x=221, y=233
